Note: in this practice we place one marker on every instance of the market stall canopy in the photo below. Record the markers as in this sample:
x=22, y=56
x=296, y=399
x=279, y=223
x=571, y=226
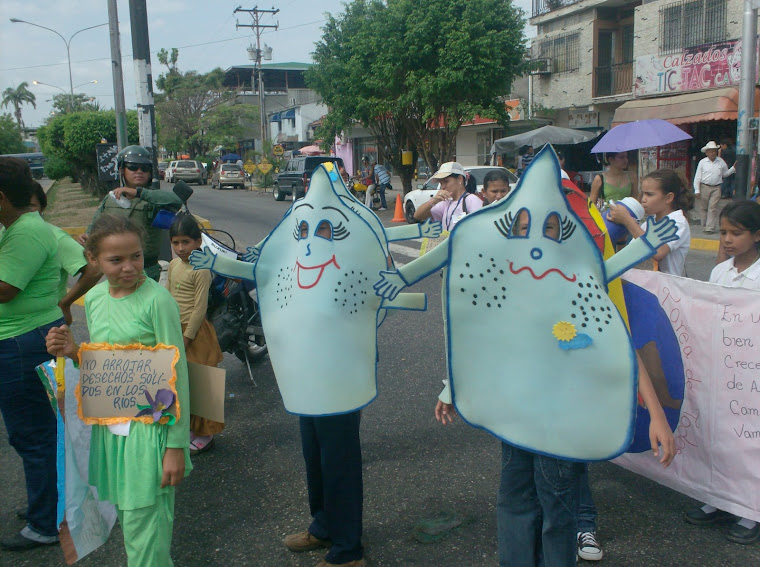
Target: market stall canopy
x=311, y=151
x=640, y=134
x=230, y=157
x=715, y=104
x=541, y=136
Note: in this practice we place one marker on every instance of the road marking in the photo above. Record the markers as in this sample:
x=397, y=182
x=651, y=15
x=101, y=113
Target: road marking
x=408, y=252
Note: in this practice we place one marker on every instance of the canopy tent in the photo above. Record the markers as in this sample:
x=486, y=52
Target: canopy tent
x=231, y=157
x=311, y=151
x=540, y=136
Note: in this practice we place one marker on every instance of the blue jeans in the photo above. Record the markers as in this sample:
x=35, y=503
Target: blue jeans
x=381, y=187
x=537, y=509
x=333, y=456
x=586, y=507
x=31, y=423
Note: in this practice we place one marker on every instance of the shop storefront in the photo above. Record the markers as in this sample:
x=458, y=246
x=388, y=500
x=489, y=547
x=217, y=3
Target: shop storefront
x=706, y=115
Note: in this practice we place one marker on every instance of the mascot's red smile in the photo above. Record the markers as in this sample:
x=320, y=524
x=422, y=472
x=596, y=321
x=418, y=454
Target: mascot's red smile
x=542, y=276
x=313, y=274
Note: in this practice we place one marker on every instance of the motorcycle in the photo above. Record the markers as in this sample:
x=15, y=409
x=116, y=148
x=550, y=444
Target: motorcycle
x=233, y=307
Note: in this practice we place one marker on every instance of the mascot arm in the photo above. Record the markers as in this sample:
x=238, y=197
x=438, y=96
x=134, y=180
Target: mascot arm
x=205, y=259
x=657, y=233
x=427, y=229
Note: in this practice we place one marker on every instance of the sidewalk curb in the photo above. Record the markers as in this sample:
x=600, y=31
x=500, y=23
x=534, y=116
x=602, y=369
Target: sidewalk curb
x=705, y=244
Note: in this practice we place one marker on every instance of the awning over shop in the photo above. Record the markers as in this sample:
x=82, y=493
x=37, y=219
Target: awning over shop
x=275, y=118
x=715, y=104
x=289, y=114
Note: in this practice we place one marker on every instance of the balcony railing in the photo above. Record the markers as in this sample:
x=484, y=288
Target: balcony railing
x=613, y=79
x=544, y=6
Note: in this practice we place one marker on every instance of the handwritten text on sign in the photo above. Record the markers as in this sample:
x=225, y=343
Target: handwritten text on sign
x=718, y=437
x=116, y=379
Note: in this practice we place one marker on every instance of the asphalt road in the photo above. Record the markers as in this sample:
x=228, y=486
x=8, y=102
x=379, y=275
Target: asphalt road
x=247, y=493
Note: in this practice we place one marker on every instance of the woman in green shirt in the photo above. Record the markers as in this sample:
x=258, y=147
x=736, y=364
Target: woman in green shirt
x=615, y=183
x=29, y=275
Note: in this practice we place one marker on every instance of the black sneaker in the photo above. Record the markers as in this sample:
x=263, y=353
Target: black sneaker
x=588, y=548
x=739, y=534
x=699, y=517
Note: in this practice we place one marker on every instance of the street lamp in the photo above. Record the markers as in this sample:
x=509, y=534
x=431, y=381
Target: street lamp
x=71, y=97
x=68, y=50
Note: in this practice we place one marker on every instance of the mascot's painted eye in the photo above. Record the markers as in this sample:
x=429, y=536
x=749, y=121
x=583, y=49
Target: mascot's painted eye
x=514, y=226
x=301, y=231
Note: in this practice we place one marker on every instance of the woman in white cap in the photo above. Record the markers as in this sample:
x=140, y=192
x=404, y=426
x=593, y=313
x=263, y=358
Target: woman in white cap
x=707, y=181
x=452, y=201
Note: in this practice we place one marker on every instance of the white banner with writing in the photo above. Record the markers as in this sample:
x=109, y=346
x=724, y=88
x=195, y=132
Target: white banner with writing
x=718, y=434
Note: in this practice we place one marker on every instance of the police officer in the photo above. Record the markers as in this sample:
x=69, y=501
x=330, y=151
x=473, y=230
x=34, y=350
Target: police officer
x=135, y=166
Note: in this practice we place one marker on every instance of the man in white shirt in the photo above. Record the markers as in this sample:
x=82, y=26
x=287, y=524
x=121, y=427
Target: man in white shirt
x=707, y=181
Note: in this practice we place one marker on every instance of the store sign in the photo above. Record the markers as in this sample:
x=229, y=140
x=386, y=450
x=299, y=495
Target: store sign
x=583, y=120
x=696, y=68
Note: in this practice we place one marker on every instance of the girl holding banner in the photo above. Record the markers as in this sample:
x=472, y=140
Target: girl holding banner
x=134, y=464
x=740, y=239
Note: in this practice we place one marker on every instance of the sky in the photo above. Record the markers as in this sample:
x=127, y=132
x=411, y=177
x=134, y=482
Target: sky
x=203, y=31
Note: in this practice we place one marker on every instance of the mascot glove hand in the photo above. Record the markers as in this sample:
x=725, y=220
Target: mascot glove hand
x=390, y=284
x=659, y=232
x=431, y=229
x=202, y=259
x=251, y=254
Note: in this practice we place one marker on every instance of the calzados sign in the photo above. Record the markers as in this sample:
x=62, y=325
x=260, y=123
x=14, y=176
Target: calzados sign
x=120, y=383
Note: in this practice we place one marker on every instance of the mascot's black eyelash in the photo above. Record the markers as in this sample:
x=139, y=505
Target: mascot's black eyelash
x=340, y=232
x=568, y=228
x=297, y=230
x=504, y=224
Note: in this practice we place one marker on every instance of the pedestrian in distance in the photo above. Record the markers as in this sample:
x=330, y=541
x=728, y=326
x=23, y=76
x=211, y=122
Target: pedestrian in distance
x=190, y=288
x=382, y=182
x=728, y=154
x=137, y=472
x=71, y=258
x=137, y=200
x=29, y=276
x=707, y=185
x=740, y=239
x=527, y=158
x=664, y=193
x=367, y=177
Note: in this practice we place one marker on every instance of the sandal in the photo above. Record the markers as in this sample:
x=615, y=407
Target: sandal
x=201, y=444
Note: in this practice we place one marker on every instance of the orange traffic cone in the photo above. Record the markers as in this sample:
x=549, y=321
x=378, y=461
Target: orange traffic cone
x=398, y=215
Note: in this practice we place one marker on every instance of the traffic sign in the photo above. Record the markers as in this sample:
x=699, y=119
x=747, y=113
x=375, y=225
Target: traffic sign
x=249, y=166
x=278, y=150
x=264, y=166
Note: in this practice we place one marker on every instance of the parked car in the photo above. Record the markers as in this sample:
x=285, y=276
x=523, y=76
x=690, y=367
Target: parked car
x=425, y=191
x=294, y=179
x=170, y=171
x=229, y=174
x=188, y=170
x=162, y=165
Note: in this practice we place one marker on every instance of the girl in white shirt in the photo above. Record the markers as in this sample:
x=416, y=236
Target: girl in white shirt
x=740, y=239
x=664, y=193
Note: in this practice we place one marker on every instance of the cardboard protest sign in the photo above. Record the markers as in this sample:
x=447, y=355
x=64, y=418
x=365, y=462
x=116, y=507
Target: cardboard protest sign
x=718, y=434
x=121, y=383
x=206, y=391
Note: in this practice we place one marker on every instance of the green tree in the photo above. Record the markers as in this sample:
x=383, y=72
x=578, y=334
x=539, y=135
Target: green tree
x=80, y=102
x=11, y=141
x=70, y=140
x=17, y=97
x=413, y=72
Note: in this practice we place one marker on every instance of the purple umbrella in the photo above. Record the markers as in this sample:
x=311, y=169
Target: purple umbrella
x=641, y=134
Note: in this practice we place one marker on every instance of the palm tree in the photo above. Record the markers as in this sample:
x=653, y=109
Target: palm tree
x=16, y=97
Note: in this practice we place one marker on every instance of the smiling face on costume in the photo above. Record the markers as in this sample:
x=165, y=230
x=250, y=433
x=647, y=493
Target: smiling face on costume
x=317, y=231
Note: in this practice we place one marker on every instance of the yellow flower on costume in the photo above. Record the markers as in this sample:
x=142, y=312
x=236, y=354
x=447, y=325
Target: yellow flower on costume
x=564, y=331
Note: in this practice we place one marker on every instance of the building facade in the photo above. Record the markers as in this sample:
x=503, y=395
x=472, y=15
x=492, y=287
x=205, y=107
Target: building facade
x=598, y=63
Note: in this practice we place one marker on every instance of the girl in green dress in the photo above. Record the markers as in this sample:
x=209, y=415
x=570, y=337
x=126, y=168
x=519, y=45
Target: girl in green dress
x=135, y=465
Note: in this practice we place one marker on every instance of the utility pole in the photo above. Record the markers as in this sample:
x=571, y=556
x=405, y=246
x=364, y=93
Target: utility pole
x=146, y=110
x=746, y=101
x=118, y=79
x=257, y=26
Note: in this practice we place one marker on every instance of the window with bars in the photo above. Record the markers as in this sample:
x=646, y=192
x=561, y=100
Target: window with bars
x=690, y=23
x=563, y=50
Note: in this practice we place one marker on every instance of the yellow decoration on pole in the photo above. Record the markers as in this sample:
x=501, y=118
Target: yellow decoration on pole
x=264, y=166
x=278, y=150
x=249, y=166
